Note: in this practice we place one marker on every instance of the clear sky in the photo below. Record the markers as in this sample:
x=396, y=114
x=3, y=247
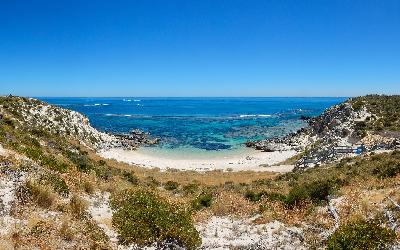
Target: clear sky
x=199, y=47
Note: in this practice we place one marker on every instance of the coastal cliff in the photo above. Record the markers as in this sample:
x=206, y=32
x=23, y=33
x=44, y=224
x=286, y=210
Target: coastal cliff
x=371, y=121
x=56, y=192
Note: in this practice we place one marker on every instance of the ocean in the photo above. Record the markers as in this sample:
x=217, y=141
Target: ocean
x=199, y=125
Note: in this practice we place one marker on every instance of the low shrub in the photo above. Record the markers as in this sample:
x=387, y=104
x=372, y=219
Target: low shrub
x=171, y=185
x=361, y=234
x=77, y=206
x=130, y=177
x=88, y=187
x=82, y=162
x=190, y=188
x=387, y=169
x=152, y=182
x=103, y=171
x=256, y=196
x=201, y=201
x=42, y=195
x=144, y=218
x=315, y=191
x=56, y=182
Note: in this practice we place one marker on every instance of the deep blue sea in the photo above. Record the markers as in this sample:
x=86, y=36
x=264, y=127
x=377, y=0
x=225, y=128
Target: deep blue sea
x=205, y=124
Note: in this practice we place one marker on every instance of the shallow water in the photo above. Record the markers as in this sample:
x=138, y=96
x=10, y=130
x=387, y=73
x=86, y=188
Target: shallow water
x=198, y=125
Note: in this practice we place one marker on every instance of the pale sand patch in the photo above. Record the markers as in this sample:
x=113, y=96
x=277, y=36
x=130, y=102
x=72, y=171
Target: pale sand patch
x=3, y=151
x=252, y=160
x=241, y=233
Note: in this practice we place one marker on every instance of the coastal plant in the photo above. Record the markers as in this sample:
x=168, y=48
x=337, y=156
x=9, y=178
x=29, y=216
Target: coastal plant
x=204, y=200
x=361, y=234
x=387, y=169
x=190, y=188
x=171, y=185
x=257, y=196
x=42, y=195
x=144, y=218
x=56, y=182
x=130, y=177
x=77, y=206
x=315, y=191
x=81, y=160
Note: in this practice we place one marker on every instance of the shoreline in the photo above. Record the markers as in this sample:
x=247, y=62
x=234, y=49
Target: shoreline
x=248, y=160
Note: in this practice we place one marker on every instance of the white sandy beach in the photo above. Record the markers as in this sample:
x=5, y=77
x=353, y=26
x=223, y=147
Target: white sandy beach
x=248, y=160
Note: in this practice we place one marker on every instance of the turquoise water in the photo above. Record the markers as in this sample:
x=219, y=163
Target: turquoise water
x=199, y=124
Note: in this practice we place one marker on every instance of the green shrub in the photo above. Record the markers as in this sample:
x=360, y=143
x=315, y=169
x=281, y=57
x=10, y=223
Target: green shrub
x=203, y=200
x=40, y=194
x=271, y=196
x=361, y=235
x=144, y=218
x=315, y=191
x=81, y=160
x=130, y=177
x=103, y=171
x=56, y=182
x=357, y=105
x=171, y=185
x=252, y=196
x=190, y=188
x=296, y=196
x=387, y=169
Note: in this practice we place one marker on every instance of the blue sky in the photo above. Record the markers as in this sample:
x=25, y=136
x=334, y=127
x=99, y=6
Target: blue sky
x=199, y=48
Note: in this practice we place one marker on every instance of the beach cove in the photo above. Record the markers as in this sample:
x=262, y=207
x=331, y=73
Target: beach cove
x=246, y=159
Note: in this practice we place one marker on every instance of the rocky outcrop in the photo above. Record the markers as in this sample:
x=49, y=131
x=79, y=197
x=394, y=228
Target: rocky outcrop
x=42, y=117
x=336, y=125
x=136, y=138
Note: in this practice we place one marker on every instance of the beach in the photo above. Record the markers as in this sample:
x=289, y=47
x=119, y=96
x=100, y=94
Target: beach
x=245, y=160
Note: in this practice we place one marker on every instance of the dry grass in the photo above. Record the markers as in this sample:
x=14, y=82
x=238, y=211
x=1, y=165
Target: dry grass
x=66, y=229
x=41, y=195
x=230, y=203
x=77, y=206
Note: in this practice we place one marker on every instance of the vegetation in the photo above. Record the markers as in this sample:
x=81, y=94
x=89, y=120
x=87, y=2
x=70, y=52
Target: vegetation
x=56, y=182
x=144, y=218
x=40, y=194
x=152, y=207
x=171, y=185
x=361, y=234
x=385, y=111
x=204, y=200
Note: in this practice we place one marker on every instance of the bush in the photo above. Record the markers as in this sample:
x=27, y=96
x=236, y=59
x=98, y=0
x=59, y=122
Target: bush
x=103, y=171
x=271, y=196
x=190, y=188
x=40, y=194
x=387, y=169
x=144, y=218
x=81, y=160
x=203, y=200
x=171, y=185
x=361, y=235
x=56, y=182
x=357, y=105
x=77, y=206
x=315, y=191
x=130, y=177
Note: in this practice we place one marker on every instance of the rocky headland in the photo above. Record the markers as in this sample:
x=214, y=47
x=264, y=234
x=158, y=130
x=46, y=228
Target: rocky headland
x=347, y=125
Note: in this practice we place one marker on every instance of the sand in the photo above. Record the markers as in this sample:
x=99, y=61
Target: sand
x=249, y=159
